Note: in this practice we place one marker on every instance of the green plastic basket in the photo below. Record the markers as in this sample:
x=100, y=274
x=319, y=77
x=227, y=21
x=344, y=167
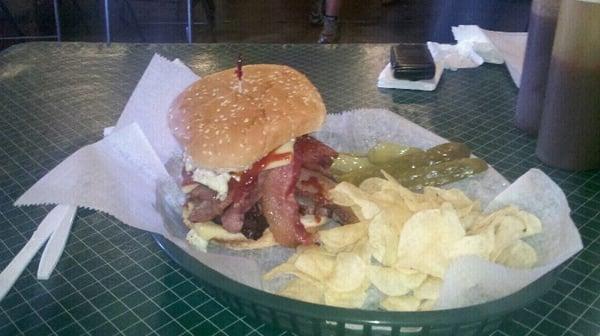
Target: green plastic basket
x=305, y=318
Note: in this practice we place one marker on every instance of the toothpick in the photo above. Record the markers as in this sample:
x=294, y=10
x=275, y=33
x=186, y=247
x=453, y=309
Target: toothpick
x=239, y=72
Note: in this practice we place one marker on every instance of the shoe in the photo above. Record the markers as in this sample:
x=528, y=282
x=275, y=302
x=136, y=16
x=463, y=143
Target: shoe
x=316, y=12
x=330, y=33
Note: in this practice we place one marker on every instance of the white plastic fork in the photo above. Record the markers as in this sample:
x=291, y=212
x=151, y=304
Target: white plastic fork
x=56, y=218
x=56, y=244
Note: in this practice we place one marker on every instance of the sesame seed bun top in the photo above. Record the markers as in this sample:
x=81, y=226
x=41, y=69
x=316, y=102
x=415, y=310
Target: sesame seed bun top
x=223, y=129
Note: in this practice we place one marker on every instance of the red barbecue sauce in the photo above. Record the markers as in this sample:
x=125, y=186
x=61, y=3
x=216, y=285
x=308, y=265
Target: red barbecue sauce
x=249, y=177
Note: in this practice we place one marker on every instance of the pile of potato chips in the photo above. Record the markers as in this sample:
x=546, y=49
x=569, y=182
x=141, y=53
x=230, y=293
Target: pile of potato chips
x=402, y=246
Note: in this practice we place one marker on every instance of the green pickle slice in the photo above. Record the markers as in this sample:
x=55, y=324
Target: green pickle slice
x=442, y=173
x=412, y=167
x=384, y=152
x=347, y=162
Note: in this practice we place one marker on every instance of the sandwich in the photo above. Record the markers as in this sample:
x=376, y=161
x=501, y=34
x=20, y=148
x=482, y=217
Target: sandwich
x=252, y=175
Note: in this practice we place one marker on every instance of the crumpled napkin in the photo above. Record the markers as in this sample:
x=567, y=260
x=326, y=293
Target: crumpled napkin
x=456, y=56
x=473, y=36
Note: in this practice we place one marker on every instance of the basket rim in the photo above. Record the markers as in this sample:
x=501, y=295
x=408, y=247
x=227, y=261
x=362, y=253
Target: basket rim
x=470, y=314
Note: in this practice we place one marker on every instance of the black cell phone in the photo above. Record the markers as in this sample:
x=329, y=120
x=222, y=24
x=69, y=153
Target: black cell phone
x=412, y=61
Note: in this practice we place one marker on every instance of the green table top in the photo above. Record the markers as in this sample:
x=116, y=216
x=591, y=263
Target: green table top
x=113, y=279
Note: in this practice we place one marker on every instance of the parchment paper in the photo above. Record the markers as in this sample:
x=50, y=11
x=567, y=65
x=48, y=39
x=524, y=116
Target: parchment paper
x=124, y=175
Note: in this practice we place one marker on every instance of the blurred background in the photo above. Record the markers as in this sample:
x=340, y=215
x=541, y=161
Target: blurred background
x=252, y=21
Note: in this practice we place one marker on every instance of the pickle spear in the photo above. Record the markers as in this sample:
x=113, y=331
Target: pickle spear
x=406, y=163
x=384, y=152
x=434, y=155
x=442, y=173
x=346, y=162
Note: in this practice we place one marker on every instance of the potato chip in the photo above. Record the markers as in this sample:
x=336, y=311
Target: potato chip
x=285, y=268
x=480, y=245
x=358, y=213
x=342, y=238
x=507, y=235
x=426, y=239
x=400, y=303
x=384, y=190
x=457, y=198
x=394, y=282
x=383, y=239
x=340, y=194
x=518, y=255
x=373, y=185
x=349, y=272
x=429, y=289
x=290, y=269
x=398, y=215
x=347, y=194
x=412, y=278
x=529, y=223
x=279, y=270
x=353, y=299
x=303, y=290
x=414, y=202
x=507, y=225
x=363, y=249
x=316, y=263
x=469, y=220
x=533, y=225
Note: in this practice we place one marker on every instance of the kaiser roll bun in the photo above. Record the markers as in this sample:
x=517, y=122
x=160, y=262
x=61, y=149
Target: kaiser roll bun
x=223, y=129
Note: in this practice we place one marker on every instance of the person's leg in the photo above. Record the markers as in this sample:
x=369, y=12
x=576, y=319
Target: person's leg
x=330, y=31
x=316, y=12
x=332, y=7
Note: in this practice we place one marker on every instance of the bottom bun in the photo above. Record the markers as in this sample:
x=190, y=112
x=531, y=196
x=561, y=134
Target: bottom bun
x=202, y=232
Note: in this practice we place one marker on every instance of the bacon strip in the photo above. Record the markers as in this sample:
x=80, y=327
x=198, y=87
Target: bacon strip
x=233, y=217
x=279, y=204
x=315, y=155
